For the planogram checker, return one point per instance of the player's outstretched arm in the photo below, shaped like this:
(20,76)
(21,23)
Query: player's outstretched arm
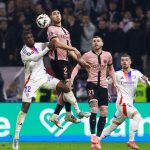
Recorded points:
(35,57)
(75,72)
(57,44)
(144,79)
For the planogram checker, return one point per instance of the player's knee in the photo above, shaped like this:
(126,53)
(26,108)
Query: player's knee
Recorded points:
(66,89)
(103,111)
(137,117)
(94,105)
(94,110)
(25,110)
(62,87)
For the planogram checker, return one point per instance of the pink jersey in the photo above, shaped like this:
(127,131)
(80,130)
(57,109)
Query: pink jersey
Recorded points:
(63,35)
(98,72)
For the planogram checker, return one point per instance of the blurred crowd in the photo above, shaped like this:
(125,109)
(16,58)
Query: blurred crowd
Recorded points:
(124,26)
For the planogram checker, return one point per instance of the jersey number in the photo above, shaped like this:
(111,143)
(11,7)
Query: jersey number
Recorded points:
(27,88)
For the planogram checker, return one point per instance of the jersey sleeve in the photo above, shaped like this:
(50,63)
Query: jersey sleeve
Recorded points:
(51,33)
(43,45)
(141,77)
(28,55)
(110,62)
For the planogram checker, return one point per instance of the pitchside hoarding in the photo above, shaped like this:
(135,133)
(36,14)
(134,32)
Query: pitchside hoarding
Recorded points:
(38,128)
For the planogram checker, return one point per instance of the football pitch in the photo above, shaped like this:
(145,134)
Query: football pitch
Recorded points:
(71,146)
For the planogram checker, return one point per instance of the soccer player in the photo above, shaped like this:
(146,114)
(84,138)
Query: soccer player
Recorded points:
(127,80)
(35,77)
(60,39)
(101,62)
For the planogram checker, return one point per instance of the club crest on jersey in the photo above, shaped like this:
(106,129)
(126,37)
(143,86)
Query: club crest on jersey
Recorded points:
(105,61)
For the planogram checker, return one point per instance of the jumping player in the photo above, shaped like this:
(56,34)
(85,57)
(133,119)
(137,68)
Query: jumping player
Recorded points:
(60,39)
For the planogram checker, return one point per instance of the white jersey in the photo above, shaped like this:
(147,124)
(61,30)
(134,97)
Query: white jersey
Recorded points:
(127,84)
(33,69)
(35,72)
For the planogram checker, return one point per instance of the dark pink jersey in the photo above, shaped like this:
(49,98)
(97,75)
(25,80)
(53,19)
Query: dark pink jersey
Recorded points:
(98,72)
(63,35)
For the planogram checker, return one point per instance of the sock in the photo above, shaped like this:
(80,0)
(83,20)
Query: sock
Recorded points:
(68,107)
(92,122)
(58,109)
(101,125)
(69,97)
(108,130)
(20,120)
(134,126)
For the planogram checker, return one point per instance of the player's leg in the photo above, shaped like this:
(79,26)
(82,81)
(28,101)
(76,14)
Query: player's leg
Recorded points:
(94,110)
(69,117)
(103,106)
(135,117)
(62,72)
(115,122)
(28,93)
(19,123)
(93,102)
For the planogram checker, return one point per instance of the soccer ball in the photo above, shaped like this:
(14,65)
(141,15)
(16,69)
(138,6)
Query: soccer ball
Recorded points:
(43,21)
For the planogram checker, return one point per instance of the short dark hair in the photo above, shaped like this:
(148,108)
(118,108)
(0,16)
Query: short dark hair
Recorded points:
(126,55)
(52,11)
(25,33)
(96,36)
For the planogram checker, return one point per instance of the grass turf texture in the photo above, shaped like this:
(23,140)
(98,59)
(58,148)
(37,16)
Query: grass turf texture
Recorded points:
(70,146)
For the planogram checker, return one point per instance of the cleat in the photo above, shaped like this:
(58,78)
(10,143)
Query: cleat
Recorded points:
(98,145)
(55,120)
(132,145)
(84,114)
(69,117)
(15,144)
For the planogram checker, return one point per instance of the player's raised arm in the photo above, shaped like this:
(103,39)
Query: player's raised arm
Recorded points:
(34,57)
(26,53)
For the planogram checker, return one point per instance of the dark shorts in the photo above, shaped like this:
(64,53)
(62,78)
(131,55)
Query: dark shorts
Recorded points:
(61,69)
(97,92)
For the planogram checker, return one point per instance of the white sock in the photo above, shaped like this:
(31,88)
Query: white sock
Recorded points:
(134,126)
(69,97)
(108,130)
(19,123)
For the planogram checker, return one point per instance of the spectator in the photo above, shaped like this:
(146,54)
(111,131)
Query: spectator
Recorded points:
(75,31)
(126,23)
(117,43)
(113,13)
(103,32)
(135,45)
(2,93)
(88,30)
(94,8)
(11,10)
(6,45)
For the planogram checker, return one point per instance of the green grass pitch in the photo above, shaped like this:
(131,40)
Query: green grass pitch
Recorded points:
(70,146)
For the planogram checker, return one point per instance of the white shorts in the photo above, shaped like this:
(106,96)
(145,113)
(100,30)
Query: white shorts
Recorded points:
(123,111)
(46,81)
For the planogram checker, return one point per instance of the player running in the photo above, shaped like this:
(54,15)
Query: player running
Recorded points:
(60,39)
(35,77)
(101,62)
(127,80)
